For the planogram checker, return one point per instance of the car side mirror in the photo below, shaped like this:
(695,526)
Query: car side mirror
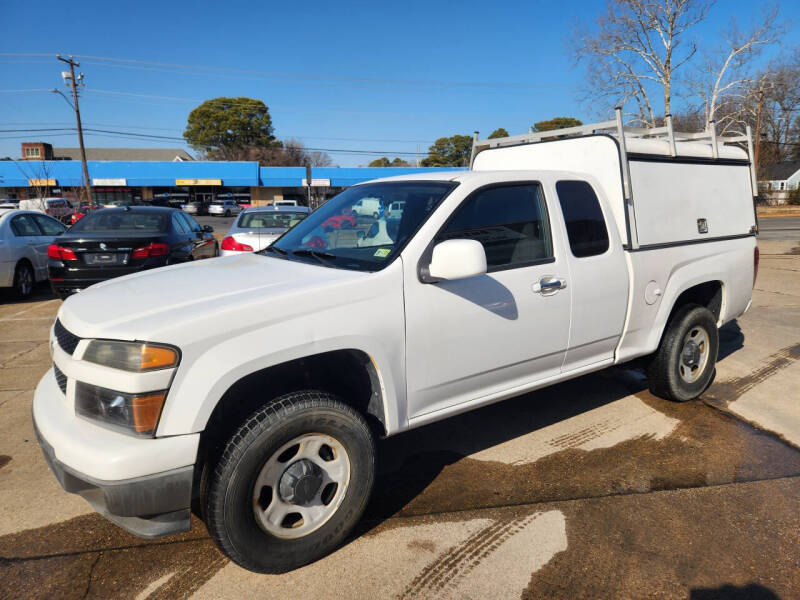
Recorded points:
(208,228)
(456,259)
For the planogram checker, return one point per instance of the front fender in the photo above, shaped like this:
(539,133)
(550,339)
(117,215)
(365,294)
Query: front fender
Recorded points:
(369,320)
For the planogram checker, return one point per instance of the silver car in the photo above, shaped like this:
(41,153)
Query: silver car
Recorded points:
(224,208)
(24,238)
(256,228)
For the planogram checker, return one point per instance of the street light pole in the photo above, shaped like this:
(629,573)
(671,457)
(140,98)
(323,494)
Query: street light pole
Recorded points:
(73,83)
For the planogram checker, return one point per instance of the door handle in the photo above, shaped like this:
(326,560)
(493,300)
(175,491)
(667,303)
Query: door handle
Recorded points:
(548,285)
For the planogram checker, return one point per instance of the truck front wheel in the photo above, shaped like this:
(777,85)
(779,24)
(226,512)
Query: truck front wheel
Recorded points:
(683,366)
(291,483)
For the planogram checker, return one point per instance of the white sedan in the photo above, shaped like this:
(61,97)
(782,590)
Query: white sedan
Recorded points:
(256,228)
(24,238)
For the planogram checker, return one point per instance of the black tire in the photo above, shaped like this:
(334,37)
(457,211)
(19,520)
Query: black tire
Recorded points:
(24,279)
(664,370)
(227,492)
(227,213)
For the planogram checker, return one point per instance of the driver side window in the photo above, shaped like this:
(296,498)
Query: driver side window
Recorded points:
(511,223)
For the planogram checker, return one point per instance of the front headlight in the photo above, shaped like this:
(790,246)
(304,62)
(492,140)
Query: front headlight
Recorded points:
(131,356)
(135,414)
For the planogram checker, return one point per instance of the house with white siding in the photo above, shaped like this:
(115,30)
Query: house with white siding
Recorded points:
(779,180)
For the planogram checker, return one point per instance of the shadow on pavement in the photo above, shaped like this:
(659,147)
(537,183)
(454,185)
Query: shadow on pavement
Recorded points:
(752,591)
(731,339)
(41,291)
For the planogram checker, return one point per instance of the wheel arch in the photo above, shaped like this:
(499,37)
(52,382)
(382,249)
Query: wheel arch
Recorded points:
(709,293)
(350,374)
(21,261)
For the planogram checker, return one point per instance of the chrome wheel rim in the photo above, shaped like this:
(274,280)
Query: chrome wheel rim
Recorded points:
(301,485)
(25,283)
(694,354)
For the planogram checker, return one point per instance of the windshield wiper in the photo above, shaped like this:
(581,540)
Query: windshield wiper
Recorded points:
(323,257)
(280,251)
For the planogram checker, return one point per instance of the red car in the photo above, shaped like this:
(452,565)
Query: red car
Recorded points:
(81,212)
(339,222)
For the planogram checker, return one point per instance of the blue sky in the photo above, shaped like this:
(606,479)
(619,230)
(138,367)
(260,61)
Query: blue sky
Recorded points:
(352,75)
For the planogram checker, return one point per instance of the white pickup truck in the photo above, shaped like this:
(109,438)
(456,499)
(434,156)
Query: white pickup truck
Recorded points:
(252,388)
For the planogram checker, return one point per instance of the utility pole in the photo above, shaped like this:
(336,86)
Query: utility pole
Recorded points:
(758,126)
(74,83)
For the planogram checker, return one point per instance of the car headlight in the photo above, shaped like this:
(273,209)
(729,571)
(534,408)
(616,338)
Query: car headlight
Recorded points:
(135,414)
(131,356)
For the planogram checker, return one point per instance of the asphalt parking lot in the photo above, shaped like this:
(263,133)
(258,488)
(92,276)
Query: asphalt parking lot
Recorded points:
(221,225)
(591,488)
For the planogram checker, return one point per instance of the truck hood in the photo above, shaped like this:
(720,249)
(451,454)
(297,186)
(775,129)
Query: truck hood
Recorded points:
(150,304)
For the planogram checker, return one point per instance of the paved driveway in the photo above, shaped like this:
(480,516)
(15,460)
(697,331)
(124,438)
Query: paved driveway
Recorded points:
(591,488)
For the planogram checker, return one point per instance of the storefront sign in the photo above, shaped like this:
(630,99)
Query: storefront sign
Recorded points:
(317,182)
(110,182)
(42,182)
(198,182)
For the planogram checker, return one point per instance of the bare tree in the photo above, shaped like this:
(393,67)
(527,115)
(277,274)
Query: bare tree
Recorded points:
(723,81)
(38,174)
(779,93)
(638,47)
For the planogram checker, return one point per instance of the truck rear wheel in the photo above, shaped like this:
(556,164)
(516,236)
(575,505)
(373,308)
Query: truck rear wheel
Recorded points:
(683,366)
(292,482)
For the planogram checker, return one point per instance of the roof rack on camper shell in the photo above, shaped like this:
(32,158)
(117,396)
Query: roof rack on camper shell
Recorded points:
(664,141)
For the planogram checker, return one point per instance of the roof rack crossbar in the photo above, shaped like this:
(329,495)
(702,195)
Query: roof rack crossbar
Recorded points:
(658,133)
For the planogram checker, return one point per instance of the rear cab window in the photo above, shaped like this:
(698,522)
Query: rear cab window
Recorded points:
(511,223)
(586,226)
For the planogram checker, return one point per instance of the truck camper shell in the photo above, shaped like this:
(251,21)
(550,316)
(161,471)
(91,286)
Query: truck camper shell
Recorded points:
(664,187)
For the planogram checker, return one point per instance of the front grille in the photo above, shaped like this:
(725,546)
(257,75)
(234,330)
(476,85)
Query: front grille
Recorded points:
(61,379)
(68,341)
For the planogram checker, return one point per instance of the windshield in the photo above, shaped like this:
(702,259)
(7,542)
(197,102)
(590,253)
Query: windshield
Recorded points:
(122,221)
(352,231)
(283,219)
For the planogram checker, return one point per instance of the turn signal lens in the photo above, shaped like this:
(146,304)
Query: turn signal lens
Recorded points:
(131,356)
(146,411)
(60,253)
(157,357)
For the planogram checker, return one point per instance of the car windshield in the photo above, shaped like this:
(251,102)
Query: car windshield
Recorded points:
(283,219)
(122,221)
(351,230)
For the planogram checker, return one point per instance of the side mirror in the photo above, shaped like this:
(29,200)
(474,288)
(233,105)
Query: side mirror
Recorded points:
(208,228)
(456,259)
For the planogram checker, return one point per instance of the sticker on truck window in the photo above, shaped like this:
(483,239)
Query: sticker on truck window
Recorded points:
(382,252)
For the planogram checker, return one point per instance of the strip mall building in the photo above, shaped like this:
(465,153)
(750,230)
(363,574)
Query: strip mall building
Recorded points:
(177,180)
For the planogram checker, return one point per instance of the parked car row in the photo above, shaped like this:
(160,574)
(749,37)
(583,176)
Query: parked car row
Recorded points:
(104,244)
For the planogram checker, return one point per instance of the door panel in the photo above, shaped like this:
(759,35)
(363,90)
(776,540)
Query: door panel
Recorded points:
(598,274)
(29,236)
(478,336)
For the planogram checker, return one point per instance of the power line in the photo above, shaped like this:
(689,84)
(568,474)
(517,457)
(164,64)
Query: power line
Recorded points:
(143,136)
(141,128)
(117,62)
